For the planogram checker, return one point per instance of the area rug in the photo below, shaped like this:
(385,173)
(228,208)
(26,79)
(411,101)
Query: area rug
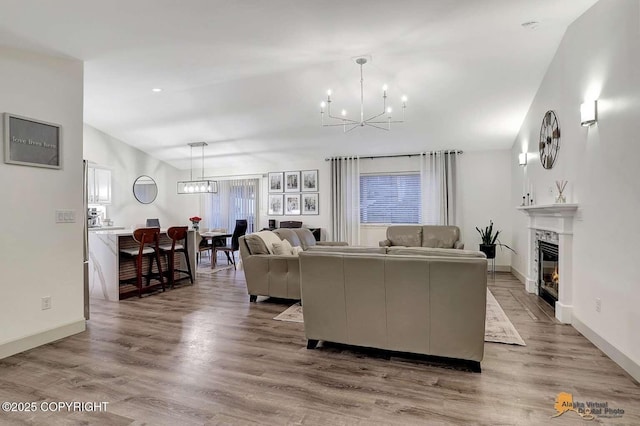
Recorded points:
(498,327)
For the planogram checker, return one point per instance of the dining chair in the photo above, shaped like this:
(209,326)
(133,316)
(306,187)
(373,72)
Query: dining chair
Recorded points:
(178,235)
(147,239)
(229,250)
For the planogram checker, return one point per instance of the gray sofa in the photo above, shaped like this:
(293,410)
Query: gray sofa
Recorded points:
(418,300)
(274,275)
(433,236)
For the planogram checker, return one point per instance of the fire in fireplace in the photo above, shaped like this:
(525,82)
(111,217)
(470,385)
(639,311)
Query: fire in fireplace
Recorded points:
(548,273)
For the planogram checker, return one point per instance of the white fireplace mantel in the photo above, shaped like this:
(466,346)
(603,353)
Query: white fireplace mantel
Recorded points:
(557,218)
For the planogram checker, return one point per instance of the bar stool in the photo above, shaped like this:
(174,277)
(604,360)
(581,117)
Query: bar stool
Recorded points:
(147,239)
(177,234)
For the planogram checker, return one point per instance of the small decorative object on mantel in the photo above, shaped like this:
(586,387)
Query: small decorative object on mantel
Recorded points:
(490,241)
(195,222)
(561,185)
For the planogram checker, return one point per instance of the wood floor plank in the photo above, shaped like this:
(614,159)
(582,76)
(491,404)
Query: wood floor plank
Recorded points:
(202,354)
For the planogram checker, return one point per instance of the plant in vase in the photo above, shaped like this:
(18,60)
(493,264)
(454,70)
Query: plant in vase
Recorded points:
(490,240)
(195,222)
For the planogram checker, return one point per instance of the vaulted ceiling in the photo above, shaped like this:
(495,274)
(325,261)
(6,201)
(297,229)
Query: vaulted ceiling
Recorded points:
(248,76)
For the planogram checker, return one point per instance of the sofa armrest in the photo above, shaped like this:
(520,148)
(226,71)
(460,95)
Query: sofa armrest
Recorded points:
(458,245)
(331,243)
(385,243)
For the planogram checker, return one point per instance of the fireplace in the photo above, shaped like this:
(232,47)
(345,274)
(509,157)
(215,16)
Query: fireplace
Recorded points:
(551,224)
(548,273)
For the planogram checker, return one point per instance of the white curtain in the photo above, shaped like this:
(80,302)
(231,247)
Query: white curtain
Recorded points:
(438,177)
(236,199)
(345,199)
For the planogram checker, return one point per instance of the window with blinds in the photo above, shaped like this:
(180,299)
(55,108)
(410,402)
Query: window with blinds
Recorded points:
(390,198)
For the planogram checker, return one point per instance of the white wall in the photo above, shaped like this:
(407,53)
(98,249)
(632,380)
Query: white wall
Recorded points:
(599,57)
(288,163)
(40,257)
(126,164)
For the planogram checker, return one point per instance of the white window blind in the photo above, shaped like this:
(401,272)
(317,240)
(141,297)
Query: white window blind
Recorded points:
(390,198)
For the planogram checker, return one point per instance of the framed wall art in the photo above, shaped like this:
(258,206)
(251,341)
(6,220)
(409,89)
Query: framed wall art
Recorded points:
(292,204)
(275,182)
(30,142)
(309,179)
(291,181)
(310,204)
(276,207)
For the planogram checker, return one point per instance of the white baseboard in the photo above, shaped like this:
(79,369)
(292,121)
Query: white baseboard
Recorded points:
(612,352)
(500,268)
(39,339)
(518,275)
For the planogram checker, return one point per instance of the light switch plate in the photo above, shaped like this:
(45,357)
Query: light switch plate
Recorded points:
(65,216)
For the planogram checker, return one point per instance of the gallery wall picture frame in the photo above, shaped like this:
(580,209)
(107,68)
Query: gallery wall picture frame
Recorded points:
(276,205)
(309,180)
(310,204)
(291,204)
(276,182)
(31,142)
(292,181)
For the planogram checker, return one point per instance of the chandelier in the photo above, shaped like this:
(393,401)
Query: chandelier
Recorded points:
(201,186)
(376,121)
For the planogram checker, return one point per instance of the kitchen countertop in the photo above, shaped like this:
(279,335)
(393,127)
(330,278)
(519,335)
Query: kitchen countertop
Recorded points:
(121,231)
(105,228)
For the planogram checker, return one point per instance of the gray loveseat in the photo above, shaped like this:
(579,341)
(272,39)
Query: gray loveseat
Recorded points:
(420,300)
(268,274)
(433,236)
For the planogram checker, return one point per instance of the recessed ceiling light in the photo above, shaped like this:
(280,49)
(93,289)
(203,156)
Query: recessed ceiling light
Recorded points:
(156,89)
(531,25)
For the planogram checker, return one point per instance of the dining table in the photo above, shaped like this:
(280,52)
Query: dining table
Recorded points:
(217,239)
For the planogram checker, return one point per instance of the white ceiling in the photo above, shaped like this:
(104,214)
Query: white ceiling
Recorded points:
(248,76)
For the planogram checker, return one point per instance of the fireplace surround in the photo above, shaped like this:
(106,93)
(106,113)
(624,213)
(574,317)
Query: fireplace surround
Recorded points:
(551,224)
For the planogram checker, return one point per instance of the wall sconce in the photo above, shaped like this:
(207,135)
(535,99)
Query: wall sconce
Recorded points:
(588,113)
(522,159)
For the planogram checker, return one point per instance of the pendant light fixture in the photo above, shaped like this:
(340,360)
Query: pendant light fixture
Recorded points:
(201,186)
(376,120)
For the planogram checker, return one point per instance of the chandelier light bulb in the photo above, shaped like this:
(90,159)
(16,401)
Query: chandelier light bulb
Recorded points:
(344,112)
(329,92)
(384,87)
(389,110)
(323,104)
(404,98)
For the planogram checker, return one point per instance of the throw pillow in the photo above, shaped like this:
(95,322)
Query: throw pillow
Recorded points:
(282,248)
(269,238)
(256,245)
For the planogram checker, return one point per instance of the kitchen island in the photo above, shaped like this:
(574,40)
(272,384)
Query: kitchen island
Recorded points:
(107,267)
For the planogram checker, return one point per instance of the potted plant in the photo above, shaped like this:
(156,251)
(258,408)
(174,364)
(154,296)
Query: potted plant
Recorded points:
(490,240)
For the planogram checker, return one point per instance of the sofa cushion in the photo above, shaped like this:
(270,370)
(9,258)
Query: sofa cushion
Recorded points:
(348,249)
(256,244)
(289,235)
(405,235)
(439,236)
(435,252)
(306,237)
(282,248)
(269,238)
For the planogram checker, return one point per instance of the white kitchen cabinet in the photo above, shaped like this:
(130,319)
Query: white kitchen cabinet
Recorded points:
(99,185)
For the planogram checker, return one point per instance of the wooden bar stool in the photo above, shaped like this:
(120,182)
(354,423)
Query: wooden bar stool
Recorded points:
(147,239)
(178,235)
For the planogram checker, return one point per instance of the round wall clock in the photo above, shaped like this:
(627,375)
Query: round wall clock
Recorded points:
(549,139)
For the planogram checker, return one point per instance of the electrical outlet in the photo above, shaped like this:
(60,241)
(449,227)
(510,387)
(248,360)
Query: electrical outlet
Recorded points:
(598,304)
(46,303)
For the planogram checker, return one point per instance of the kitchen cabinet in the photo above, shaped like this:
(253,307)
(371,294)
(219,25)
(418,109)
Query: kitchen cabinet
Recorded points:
(99,185)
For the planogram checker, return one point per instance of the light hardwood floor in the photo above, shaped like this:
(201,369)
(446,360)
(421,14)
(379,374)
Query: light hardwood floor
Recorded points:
(203,354)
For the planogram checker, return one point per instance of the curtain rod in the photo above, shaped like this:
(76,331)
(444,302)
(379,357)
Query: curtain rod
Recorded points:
(416,154)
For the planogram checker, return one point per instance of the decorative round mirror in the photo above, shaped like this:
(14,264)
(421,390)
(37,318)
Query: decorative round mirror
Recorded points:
(145,189)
